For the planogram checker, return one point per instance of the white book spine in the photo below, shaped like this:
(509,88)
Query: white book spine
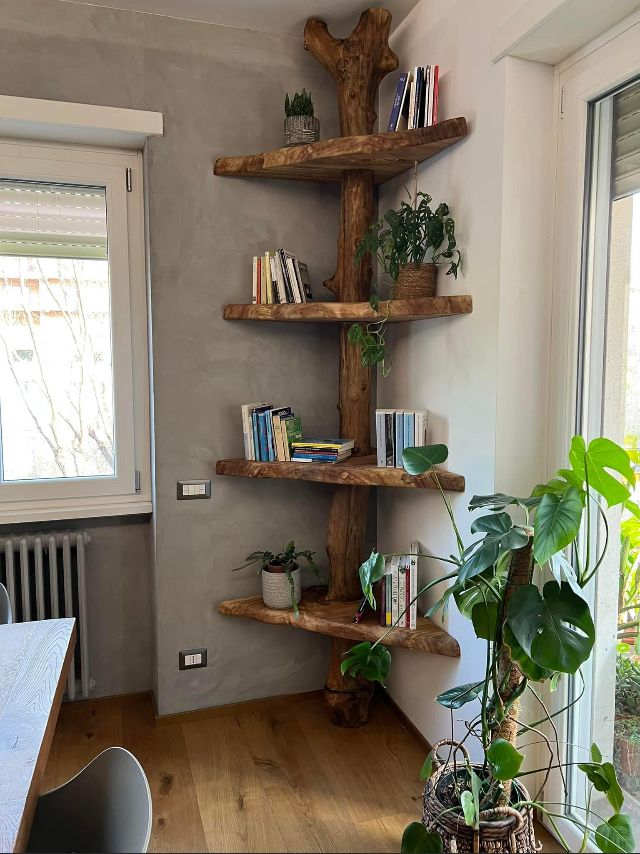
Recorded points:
(413,580)
(380,440)
(402,593)
(394,589)
(421,428)
(247,434)
(412,99)
(399,437)
(293,280)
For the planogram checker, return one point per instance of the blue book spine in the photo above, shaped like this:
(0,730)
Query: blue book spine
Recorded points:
(262,437)
(256,442)
(397,102)
(271,445)
(399,431)
(409,429)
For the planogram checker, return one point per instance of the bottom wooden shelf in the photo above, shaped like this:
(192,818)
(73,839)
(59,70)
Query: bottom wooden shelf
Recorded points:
(335,620)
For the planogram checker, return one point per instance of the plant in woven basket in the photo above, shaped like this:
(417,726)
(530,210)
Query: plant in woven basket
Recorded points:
(300,105)
(287,559)
(535,633)
(410,236)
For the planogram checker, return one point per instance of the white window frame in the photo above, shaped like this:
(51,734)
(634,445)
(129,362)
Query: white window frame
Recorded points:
(129,491)
(594,71)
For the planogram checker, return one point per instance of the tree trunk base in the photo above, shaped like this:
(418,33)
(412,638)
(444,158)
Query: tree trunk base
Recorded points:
(346,698)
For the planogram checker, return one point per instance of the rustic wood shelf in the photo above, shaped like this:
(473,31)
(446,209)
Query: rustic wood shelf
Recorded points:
(335,619)
(354,471)
(385,154)
(349,312)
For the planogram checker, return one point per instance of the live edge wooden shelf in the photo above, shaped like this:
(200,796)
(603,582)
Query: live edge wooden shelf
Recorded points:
(349,312)
(386,155)
(335,619)
(354,471)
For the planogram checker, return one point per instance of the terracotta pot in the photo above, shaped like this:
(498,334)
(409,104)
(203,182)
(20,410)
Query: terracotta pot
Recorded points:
(276,588)
(301,130)
(416,282)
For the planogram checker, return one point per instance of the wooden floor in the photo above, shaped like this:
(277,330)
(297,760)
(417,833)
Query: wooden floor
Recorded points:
(273,776)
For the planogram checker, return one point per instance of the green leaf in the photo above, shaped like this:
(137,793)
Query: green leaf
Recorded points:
(468,808)
(416,839)
(530,669)
(371,571)
(355,333)
(370,662)
(457,697)
(504,759)
(602,775)
(494,523)
(557,523)
(427,767)
(483,557)
(484,617)
(603,454)
(616,835)
(554,628)
(499,501)
(420,460)
(596,755)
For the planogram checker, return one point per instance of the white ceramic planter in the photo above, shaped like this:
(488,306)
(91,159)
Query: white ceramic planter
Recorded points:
(276,589)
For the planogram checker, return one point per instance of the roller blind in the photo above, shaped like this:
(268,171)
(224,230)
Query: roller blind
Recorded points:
(626,164)
(46,220)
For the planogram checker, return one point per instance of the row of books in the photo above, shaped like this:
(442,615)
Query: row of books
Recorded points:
(321,450)
(416,99)
(279,277)
(269,431)
(397,429)
(398,590)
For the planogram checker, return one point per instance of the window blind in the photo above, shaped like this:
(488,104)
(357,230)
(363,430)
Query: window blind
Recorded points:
(626,159)
(45,220)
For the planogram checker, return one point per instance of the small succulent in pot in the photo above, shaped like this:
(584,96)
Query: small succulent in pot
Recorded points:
(300,124)
(280,573)
(408,244)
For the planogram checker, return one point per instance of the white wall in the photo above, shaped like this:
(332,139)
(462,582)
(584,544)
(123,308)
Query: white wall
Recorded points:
(466,370)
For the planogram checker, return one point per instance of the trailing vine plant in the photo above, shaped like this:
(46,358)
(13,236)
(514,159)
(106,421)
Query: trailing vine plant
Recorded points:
(535,633)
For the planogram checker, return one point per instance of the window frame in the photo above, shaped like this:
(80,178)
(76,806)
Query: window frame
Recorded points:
(129,491)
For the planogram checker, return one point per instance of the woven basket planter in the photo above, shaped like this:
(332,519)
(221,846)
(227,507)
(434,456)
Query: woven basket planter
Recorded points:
(416,282)
(502,830)
(276,589)
(301,130)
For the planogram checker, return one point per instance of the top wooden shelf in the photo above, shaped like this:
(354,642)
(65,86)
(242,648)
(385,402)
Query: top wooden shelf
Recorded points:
(385,154)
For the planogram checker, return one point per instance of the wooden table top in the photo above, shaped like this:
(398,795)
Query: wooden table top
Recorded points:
(34,665)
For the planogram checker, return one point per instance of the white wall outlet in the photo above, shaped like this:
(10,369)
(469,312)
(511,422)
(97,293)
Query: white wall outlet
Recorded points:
(187,490)
(190,658)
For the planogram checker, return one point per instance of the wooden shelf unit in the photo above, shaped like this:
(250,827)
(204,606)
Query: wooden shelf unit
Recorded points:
(354,471)
(358,160)
(386,155)
(335,619)
(351,312)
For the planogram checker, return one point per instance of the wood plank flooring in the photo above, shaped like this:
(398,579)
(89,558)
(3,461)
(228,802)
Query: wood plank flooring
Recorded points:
(273,776)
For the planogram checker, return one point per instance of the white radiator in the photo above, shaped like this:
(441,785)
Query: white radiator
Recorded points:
(45,575)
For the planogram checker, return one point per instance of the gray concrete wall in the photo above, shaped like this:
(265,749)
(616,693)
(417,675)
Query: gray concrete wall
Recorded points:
(221,92)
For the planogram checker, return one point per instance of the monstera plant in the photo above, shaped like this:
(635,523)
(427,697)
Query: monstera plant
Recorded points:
(521,582)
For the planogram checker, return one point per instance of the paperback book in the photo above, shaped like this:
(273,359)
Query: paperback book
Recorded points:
(268,431)
(397,429)
(415,102)
(279,277)
(398,591)
(321,450)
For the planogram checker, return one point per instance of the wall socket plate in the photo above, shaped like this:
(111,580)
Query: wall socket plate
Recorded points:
(189,659)
(187,490)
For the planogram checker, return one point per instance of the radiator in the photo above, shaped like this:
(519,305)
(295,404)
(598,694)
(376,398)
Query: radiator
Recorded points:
(45,576)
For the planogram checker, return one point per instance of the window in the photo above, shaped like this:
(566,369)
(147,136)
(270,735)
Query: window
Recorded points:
(74,422)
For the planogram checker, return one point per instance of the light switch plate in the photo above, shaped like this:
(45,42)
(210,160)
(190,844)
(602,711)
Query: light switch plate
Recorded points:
(188,659)
(187,490)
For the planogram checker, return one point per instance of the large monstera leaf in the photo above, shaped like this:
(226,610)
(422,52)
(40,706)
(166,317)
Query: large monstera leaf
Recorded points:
(595,464)
(554,628)
(500,535)
(422,459)
(557,524)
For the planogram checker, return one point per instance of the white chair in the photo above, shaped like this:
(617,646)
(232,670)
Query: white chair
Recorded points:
(6,616)
(104,808)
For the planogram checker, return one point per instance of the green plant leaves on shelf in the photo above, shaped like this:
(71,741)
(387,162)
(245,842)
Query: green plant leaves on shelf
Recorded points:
(370,662)
(555,628)
(591,463)
(457,697)
(602,775)
(371,571)
(557,523)
(504,760)
(416,839)
(615,835)
(420,460)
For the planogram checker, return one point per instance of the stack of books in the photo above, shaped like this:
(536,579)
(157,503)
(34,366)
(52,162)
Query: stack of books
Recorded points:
(397,429)
(279,277)
(398,590)
(268,432)
(415,104)
(321,450)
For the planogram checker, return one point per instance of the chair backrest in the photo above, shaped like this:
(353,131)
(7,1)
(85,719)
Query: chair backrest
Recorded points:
(6,616)
(106,807)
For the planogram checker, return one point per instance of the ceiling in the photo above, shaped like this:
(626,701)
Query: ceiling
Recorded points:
(270,16)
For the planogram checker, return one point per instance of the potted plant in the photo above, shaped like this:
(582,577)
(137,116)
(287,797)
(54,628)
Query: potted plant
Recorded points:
(626,734)
(535,633)
(408,245)
(281,586)
(300,124)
